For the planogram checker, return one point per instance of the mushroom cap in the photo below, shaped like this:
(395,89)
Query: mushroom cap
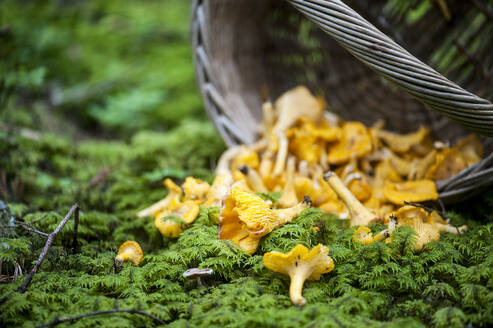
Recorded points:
(197,272)
(167,227)
(423,165)
(172,187)
(420,222)
(130,251)
(323,131)
(187,210)
(471,149)
(402,166)
(307,141)
(244,219)
(295,103)
(402,143)
(252,210)
(448,163)
(219,189)
(359,185)
(337,207)
(355,142)
(409,212)
(304,145)
(410,191)
(195,189)
(246,156)
(384,171)
(313,263)
(363,235)
(306,186)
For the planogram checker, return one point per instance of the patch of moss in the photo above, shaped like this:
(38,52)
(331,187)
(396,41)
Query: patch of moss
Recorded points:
(449,283)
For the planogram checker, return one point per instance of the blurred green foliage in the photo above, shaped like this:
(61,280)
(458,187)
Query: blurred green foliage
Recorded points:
(109,66)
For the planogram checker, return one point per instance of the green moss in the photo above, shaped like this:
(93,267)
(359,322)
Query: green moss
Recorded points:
(376,285)
(106,69)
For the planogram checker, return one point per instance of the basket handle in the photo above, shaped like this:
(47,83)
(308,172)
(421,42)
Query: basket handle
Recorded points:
(387,58)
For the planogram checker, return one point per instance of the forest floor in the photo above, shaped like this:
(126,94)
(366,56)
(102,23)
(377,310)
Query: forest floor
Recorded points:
(97,108)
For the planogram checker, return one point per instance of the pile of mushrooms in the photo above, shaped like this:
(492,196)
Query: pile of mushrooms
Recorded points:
(313,158)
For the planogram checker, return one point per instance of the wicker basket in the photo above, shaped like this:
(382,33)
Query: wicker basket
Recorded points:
(248,50)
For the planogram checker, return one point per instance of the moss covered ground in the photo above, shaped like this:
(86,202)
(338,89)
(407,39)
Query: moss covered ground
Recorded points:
(97,107)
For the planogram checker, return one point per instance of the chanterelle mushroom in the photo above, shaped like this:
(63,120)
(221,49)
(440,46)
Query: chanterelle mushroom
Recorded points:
(448,163)
(186,211)
(195,189)
(410,191)
(246,217)
(427,226)
(289,198)
(355,142)
(364,235)
(173,197)
(471,149)
(253,178)
(219,189)
(359,214)
(300,264)
(129,251)
(296,103)
(168,227)
(402,143)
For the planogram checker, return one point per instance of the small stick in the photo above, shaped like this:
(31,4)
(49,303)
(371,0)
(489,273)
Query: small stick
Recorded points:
(32,229)
(426,208)
(76,317)
(101,176)
(51,238)
(76,229)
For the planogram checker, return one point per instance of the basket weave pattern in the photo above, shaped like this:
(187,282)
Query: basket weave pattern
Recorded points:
(249,50)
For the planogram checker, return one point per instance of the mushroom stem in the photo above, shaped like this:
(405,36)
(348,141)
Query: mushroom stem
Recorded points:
(163,203)
(451,229)
(303,169)
(287,214)
(253,178)
(295,288)
(289,192)
(266,164)
(174,194)
(282,154)
(268,114)
(382,235)
(225,159)
(260,145)
(219,189)
(119,259)
(360,215)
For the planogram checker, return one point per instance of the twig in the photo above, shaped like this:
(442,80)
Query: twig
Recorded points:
(76,229)
(76,317)
(30,228)
(426,208)
(51,238)
(101,176)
